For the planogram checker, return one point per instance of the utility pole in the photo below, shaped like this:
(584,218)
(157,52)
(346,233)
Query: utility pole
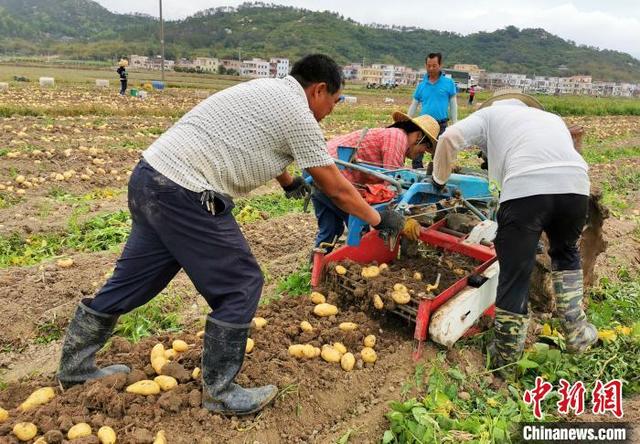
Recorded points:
(161,43)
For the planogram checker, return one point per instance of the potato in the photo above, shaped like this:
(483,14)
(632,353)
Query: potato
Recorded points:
(309,351)
(165,382)
(4,415)
(296,350)
(340,347)
(417,276)
(64,263)
(170,353)
(306,326)
(20,178)
(144,387)
(195,374)
(106,435)
(318,298)
(377,302)
(160,438)
(368,354)
(80,430)
(180,346)
(400,297)
(325,310)
(158,362)
(348,326)
(400,287)
(317,352)
(259,322)
(347,362)
(383,267)
(341,270)
(370,341)
(25,431)
(370,272)
(40,440)
(157,351)
(249,346)
(330,354)
(39,397)
(200,334)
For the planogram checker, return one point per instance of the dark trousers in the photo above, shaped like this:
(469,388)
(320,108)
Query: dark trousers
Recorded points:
(172,230)
(418,162)
(123,86)
(331,219)
(520,224)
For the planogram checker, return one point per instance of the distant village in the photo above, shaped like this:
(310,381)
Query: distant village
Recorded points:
(385,75)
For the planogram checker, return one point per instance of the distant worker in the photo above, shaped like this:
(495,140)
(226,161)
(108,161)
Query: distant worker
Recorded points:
(122,71)
(436,96)
(384,147)
(544,188)
(181,201)
(472,94)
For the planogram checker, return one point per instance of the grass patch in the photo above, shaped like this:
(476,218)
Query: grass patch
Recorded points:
(49,331)
(8,200)
(156,316)
(297,283)
(97,234)
(257,208)
(617,189)
(593,155)
(440,415)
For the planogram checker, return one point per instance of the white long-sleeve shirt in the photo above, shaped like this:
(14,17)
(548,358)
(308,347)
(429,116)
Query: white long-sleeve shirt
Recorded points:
(529,151)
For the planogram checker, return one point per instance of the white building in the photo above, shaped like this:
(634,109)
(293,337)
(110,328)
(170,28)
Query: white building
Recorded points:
(388,75)
(206,64)
(139,62)
(278,67)
(255,68)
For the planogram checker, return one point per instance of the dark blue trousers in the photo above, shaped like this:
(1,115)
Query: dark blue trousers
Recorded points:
(331,219)
(418,163)
(173,230)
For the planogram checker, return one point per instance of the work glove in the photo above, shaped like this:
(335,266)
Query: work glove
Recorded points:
(297,189)
(390,226)
(411,229)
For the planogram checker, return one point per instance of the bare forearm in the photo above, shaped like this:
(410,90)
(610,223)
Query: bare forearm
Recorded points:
(284,179)
(350,201)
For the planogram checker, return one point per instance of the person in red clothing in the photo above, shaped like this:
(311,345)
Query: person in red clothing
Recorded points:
(383,147)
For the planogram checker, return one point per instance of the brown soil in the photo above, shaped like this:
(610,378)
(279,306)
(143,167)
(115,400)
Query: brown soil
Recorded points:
(315,397)
(433,265)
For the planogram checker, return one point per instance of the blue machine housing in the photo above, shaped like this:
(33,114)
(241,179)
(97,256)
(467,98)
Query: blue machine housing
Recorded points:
(416,189)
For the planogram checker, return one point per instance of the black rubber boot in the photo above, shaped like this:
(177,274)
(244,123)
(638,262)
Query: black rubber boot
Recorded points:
(87,333)
(222,357)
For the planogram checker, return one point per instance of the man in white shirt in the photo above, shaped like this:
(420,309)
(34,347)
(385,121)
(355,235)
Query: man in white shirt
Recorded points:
(180,198)
(544,186)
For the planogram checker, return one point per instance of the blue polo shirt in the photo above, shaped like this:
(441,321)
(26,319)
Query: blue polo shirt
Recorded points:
(434,97)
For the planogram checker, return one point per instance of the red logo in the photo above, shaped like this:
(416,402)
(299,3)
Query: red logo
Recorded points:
(537,394)
(607,398)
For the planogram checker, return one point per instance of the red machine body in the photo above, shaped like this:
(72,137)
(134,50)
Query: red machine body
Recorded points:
(373,249)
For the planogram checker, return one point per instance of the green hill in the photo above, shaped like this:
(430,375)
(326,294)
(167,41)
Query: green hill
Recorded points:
(82,29)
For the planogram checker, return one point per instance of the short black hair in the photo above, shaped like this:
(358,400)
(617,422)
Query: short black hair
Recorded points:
(317,68)
(431,55)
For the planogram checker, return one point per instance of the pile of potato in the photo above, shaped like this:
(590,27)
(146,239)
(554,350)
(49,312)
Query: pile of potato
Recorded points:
(336,352)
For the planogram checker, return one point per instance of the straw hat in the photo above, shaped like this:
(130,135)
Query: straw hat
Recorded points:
(426,123)
(123,62)
(512,94)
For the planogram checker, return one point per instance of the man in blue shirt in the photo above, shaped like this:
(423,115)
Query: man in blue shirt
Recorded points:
(436,95)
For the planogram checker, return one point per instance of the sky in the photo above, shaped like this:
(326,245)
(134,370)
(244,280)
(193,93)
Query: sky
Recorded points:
(612,24)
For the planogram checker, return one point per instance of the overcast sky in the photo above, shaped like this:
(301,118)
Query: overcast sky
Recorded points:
(610,24)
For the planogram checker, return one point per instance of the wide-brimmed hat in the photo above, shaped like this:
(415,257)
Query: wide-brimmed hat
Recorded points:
(512,94)
(123,62)
(426,123)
